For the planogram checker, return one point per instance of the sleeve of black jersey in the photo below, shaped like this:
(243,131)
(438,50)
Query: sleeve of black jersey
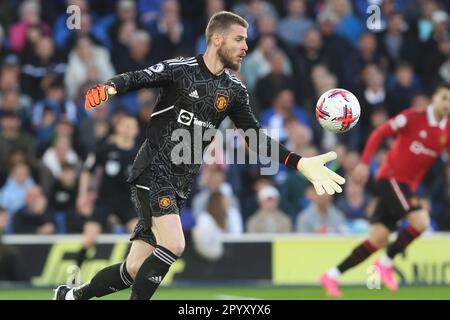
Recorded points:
(158,75)
(93,160)
(242,116)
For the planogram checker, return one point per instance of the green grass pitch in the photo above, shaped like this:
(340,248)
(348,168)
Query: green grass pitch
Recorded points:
(265,293)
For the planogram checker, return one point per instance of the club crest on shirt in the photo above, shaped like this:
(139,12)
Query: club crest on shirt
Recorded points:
(164,202)
(414,202)
(221,102)
(443,140)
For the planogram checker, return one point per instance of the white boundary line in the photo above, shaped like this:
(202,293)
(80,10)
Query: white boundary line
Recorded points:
(111,238)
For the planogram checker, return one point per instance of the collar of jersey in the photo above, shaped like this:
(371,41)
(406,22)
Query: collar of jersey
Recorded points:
(204,68)
(432,120)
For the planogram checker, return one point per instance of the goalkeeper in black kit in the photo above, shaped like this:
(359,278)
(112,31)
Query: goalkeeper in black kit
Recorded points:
(195,93)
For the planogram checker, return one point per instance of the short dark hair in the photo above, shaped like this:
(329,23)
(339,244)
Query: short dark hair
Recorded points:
(221,21)
(441,85)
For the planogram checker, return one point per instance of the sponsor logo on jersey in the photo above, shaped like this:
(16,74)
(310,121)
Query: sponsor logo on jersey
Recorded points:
(164,202)
(417,147)
(185,117)
(414,202)
(221,102)
(443,139)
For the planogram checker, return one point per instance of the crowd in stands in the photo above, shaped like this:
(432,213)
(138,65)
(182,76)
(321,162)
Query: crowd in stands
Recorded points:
(298,49)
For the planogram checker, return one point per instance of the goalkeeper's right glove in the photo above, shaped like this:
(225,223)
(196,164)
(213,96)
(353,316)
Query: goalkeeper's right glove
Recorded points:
(96,95)
(322,178)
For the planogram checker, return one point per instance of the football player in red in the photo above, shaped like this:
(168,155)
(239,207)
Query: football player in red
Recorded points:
(421,136)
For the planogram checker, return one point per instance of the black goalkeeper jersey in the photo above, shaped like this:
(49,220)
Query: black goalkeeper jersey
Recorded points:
(193,99)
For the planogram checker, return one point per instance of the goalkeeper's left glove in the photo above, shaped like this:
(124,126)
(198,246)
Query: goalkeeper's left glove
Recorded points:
(97,94)
(322,178)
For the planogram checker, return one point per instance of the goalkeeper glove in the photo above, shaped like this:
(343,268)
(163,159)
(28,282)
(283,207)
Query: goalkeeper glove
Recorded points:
(96,95)
(322,178)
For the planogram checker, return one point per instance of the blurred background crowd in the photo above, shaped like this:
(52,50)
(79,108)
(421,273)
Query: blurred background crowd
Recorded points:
(298,49)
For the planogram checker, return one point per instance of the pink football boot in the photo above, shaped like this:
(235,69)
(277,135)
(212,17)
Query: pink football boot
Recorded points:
(387,276)
(330,285)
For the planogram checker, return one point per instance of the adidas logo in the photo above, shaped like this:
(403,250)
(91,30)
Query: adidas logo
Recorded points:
(156,279)
(193,94)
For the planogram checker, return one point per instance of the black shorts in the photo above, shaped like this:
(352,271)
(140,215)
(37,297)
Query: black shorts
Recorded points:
(395,201)
(150,201)
(120,206)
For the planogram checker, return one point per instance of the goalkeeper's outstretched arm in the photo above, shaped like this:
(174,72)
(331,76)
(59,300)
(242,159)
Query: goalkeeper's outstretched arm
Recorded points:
(323,179)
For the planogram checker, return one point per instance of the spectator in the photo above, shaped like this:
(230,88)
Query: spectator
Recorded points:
(43,61)
(211,8)
(372,93)
(354,202)
(13,192)
(34,217)
(125,12)
(10,103)
(444,71)
(309,55)
(213,179)
(348,25)
(11,136)
(48,112)
(335,47)
(403,88)
(275,81)
(59,153)
(269,218)
(86,62)
(29,18)
(120,52)
(283,107)
(210,227)
(251,11)
(398,43)
(293,27)
(89,26)
(94,129)
(62,201)
(321,216)
(293,188)
(425,21)
(10,79)
(139,56)
(367,52)
(170,33)
(256,65)
(434,51)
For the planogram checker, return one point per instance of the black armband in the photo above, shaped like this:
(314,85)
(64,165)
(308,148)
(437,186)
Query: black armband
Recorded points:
(291,160)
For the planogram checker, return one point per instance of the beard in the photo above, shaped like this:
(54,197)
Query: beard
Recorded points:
(225,58)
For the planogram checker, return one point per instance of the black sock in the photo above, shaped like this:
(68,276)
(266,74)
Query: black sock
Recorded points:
(358,255)
(81,256)
(108,280)
(151,273)
(404,238)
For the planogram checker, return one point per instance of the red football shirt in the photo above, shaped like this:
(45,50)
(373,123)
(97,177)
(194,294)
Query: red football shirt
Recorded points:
(420,139)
